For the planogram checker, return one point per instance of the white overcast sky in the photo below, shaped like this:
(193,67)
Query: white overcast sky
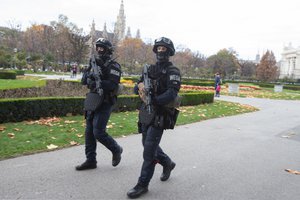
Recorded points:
(206,26)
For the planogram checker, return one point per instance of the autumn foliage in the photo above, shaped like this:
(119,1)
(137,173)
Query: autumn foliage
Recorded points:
(267,69)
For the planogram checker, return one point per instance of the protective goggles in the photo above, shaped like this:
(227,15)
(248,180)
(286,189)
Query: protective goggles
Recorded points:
(163,39)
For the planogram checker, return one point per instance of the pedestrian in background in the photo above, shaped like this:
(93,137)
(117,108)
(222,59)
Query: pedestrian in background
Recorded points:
(218,82)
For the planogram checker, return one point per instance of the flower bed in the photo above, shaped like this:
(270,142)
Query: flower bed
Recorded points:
(197,88)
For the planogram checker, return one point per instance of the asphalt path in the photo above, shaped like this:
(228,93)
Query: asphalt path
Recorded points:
(57,77)
(240,157)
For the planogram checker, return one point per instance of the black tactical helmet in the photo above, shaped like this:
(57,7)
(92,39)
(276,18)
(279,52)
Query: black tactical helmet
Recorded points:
(166,42)
(102,42)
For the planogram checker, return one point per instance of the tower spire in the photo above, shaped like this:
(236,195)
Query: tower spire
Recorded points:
(92,39)
(105,33)
(120,25)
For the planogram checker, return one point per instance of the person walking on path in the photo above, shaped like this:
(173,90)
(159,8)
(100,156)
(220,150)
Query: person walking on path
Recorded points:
(109,72)
(157,114)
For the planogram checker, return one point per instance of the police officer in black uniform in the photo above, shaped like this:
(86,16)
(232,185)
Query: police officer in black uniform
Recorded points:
(167,80)
(96,121)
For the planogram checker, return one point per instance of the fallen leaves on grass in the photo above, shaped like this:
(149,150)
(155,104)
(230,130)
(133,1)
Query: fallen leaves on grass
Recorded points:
(109,126)
(73,143)
(11,135)
(292,171)
(45,121)
(2,128)
(51,146)
(73,130)
(79,135)
(70,122)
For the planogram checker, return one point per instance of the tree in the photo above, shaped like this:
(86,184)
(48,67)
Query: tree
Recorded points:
(132,54)
(248,68)
(267,70)
(63,46)
(183,59)
(224,62)
(39,39)
(79,44)
(5,57)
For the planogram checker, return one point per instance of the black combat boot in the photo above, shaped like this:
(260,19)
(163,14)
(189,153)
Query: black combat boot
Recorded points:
(117,157)
(167,171)
(86,165)
(137,191)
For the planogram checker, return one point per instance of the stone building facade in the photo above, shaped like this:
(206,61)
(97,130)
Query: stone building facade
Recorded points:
(290,63)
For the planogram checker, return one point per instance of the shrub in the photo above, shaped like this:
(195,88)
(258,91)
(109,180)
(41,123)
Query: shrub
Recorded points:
(8,74)
(197,82)
(20,72)
(292,87)
(14,110)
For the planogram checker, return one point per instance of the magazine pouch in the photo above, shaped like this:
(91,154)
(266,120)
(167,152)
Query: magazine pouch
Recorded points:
(92,101)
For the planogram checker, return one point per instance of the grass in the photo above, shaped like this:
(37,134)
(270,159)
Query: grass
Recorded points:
(21,82)
(36,136)
(47,72)
(267,93)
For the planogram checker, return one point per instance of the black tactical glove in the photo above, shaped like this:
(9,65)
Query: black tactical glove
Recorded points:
(87,69)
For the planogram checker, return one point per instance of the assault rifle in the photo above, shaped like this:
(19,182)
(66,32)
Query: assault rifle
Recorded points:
(96,74)
(148,89)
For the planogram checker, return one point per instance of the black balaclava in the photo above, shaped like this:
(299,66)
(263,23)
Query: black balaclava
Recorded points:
(163,56)
(103,56)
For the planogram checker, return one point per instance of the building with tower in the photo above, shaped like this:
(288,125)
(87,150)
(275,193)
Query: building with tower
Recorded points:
(118,33)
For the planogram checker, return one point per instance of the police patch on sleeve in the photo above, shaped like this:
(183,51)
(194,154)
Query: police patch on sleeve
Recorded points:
(115,72)
(174,78)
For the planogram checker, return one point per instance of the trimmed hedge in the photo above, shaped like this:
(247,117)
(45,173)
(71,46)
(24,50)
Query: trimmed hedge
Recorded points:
(8,75)
(20,72)
(292,87)
(15,110)
(185,81)
(198,82)
(288,87)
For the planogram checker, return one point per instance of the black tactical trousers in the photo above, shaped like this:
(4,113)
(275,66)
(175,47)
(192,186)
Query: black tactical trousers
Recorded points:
(152,154)
(96,130)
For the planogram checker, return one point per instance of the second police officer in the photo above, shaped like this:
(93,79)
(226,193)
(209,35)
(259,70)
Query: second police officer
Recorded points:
(166,80)
(96,120)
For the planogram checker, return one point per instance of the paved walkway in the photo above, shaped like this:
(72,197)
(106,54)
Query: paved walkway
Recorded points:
(240,157)
(57,77)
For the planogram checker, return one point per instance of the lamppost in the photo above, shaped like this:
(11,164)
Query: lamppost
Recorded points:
(15,58)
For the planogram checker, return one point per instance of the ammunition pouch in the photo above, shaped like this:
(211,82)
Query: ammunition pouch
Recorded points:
(145,117)
(93,101)
(170,118)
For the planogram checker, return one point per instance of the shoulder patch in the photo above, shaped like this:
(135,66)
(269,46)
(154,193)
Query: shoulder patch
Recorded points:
(115,72)
(174,78)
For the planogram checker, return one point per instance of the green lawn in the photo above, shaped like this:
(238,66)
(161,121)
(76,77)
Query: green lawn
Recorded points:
(21,82)
(267,93)
(30,137)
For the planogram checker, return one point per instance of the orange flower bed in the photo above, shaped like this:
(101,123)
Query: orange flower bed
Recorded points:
(193,87)
(249,87)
